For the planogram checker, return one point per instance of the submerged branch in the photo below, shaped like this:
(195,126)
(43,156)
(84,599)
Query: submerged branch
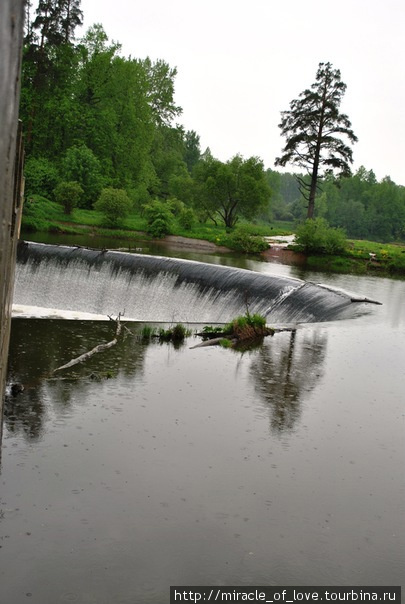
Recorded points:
(96,349)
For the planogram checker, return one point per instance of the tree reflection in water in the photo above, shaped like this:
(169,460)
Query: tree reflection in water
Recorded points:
(38,346)
(285,367)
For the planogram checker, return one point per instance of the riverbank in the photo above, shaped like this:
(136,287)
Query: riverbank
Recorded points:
(43,218)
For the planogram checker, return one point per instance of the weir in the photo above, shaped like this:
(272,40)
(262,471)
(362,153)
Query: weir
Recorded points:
(154,289)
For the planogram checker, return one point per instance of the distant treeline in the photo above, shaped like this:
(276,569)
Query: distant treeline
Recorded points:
(365,208)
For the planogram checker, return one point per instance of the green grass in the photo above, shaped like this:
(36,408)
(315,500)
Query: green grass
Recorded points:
(175,334)
(364,257)
(47,216)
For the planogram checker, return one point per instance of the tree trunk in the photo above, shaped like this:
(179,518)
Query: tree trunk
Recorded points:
(312,191)
(317,155)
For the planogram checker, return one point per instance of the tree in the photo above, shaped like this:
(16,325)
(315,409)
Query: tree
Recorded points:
(71,17)
(315,130)
(161,90)
(115,119)
(232,189)
(56,21)
(49,69)
(114,204)
(81,165)
(68,195)
(192,150)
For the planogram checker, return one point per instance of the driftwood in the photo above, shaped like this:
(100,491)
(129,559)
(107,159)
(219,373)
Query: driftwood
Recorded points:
(96,349)
(213,342)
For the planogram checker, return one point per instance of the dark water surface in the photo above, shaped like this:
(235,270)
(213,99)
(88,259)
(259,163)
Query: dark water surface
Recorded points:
(281,466)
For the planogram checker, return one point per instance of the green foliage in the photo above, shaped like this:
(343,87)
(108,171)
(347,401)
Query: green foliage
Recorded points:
(81,165)
(254,322)
(225,343)
(147,333)
(40,214)
(176,334)
(68,195)
(41,177)
(192,150)
(114,204)
(159,218)
(244,329)
(187,218)
(210,329)
(316,236)
(243,241)
(160,93)
(176,206)
(230,190)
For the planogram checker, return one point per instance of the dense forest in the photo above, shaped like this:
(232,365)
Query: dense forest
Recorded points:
(94,117)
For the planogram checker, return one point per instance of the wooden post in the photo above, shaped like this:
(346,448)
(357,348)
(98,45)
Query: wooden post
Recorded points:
(11,162)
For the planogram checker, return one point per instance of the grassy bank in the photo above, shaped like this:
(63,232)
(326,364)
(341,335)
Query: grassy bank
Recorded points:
(360,257)
(47,216)
(364,257)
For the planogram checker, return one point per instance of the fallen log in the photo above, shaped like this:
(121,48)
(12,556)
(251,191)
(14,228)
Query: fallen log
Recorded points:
(213,342)
(100,348)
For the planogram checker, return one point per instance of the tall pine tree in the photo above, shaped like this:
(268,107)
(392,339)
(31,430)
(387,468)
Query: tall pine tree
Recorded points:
(315,131)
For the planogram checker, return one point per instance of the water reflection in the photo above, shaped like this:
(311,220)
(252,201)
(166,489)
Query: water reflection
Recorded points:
(38,346)
(283,368)
(286,367)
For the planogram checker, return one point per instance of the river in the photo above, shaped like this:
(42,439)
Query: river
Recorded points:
(152,466)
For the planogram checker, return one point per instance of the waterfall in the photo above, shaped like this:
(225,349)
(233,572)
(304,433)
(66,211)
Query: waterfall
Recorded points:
(153,288)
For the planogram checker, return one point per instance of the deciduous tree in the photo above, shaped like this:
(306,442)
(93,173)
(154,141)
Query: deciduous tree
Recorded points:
(232,189)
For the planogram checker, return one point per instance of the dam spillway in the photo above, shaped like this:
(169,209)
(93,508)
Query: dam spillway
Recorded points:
(154,288)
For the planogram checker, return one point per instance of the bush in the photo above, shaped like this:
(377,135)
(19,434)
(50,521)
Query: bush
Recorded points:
(68,195)
(246,326)
(176,206)
(114,204)
(317,237)
(159,219)
(243,241)
(187,218)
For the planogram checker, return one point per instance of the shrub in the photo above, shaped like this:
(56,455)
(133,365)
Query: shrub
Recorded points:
(176,206)
(159,219)
(243,241)
(114,204)
(316,236)
(68,195)
(246,326)
(187,218)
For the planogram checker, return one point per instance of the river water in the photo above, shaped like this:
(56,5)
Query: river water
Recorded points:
(152,466)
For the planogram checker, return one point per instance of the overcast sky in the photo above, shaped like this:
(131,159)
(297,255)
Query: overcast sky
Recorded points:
(241,62)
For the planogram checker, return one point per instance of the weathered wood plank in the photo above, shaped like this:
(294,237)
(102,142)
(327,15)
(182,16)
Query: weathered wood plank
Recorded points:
(11,161)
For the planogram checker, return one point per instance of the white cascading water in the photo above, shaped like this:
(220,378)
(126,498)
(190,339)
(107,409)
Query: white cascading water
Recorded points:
(62,281)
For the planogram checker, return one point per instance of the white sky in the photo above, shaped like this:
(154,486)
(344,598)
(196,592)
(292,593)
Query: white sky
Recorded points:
(241,62)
